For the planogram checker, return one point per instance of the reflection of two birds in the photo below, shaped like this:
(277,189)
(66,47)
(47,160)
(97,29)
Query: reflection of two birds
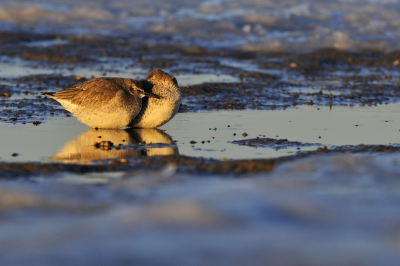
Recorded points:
(99,144)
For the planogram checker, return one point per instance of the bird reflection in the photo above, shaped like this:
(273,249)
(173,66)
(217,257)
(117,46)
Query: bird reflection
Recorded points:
(100,144)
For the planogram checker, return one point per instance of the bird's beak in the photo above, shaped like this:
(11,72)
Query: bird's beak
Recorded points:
(150,95)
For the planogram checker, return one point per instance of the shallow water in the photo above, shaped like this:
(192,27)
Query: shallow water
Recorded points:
(336,126)
(68,140)
(15,67)
(336,208)
(323,208)
(267,25)
(249,26)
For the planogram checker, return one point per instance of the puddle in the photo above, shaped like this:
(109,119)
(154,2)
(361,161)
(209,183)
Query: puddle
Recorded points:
(67,140)
(192,79)
(14,67)
(103,144)
(216,134)
(341,125)
(18,96)
(46,43)
(37,143)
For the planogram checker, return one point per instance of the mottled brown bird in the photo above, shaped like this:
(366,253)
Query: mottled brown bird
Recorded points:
(121,102)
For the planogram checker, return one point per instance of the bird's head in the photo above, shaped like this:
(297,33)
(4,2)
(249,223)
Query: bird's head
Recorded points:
(159,77)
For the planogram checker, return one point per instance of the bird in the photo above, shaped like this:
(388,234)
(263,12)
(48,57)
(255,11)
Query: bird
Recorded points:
(155,111)
(120,102)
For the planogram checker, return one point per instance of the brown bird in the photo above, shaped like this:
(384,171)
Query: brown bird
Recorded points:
(121,102)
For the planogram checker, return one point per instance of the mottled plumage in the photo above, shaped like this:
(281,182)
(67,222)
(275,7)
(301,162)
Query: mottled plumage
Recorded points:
(117,102)
(103,102)
(158,111)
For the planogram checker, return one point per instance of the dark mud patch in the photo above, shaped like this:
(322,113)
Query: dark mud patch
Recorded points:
(267,81)
(22,101)
(353,149)
(273,143)
(185,164)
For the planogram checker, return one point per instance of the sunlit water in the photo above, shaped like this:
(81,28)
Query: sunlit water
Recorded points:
(254,25)
(68,140)
(15,67)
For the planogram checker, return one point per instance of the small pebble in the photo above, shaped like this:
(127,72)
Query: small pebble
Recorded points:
(193,142)
(244,134)
(14,154)
(78,78)
(35,123)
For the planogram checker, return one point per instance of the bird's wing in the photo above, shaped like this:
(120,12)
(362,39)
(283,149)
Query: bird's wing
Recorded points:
(91,93)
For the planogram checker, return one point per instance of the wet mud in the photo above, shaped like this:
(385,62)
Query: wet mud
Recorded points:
(282,153)
(273,143)
(184,164)
(266,81)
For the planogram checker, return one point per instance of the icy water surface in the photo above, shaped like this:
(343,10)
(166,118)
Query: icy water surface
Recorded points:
(206,134)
